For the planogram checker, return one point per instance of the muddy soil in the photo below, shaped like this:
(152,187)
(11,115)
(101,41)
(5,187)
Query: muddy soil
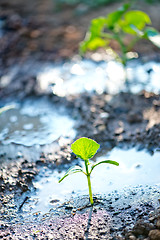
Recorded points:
(36,31)
(39,30)
(137,124)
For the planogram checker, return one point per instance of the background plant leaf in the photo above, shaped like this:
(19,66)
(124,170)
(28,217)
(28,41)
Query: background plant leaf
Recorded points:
(153,35)
(92,44)
(93,39)
(70,171)
(97,26)
(85,148)
(112,18)
(138,19)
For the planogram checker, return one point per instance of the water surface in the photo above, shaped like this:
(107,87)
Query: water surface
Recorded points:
(35,122)
(81,75)
(136,169)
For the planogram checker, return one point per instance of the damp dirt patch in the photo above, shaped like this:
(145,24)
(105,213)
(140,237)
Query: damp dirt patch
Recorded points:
(39,30)
(125,117)
(109,218)
(122,120)
(136,168)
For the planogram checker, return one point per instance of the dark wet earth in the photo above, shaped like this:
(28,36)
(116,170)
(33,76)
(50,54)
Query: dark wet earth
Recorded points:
(57,101)
(125,208)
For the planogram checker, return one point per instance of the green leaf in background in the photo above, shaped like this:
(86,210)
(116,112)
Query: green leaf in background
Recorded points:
(85,148)
(93,39)
(92,44)
(105,161)
(112,18)
(153,35)
(70,171)
(117,26)
(138,19)
(97,26)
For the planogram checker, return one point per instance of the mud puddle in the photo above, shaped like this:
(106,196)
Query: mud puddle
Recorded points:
(1,27)
(87,75)
(84,75)
(36,123)
(31,124)
(137,178)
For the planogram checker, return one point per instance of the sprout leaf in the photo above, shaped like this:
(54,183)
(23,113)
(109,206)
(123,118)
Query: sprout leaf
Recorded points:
(105,161)
(85,148)
(153,35)
(70,171)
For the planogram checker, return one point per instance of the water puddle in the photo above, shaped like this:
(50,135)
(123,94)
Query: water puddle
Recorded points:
(1,27)
(35,122)
(82,75)
(87,75)
(137,168)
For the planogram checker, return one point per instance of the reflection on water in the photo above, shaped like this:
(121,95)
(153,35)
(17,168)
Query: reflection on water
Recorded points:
(1,27)
(35,122)
(137,168)
(87,75)
(80,75)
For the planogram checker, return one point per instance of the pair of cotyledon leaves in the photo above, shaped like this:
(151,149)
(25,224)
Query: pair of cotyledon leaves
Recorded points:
(85,148)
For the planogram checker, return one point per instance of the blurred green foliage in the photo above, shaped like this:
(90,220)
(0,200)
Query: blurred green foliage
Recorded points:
(116,26)
(95,3)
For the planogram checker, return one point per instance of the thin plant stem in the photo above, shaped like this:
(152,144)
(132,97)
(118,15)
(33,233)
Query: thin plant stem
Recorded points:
(89,182)
(124,56)
(132,43)
(118,36)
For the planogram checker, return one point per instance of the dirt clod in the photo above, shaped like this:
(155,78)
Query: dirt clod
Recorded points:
(154,234)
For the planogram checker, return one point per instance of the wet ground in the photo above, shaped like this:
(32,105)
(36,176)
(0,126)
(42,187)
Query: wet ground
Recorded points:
(30,172)
(84,75)
(54,104)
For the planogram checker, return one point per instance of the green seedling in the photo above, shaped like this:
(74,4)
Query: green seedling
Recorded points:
(116,26)
(86,148)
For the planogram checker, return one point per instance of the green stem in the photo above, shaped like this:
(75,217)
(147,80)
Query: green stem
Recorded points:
(124,56)
(123,49)
(132,43)
(89,182)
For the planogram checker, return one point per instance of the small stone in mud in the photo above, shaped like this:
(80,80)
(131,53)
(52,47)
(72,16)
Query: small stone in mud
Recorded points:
(23,186)
(119,130)
(158,223)
(151,219)
(104,115)
(154,234)
(132,237)
(142,228)
(19,155)
(54,201)
(138,166)
(68,207)
(14,22)
(134,117)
